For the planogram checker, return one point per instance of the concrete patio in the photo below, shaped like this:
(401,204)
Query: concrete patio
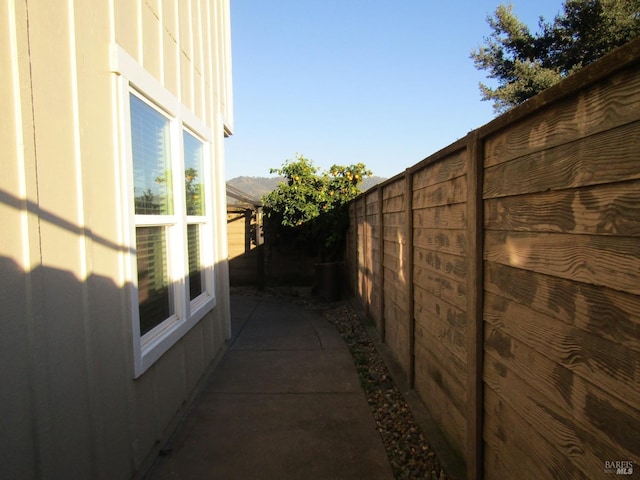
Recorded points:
(284,403)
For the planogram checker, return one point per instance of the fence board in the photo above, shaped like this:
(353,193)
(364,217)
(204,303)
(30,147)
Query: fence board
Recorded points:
(598,260)
(599,108)
(589,406)
(445,216)
(613,315)
(446,369)
(449,266)
(509,450)
(452,166)
(449,290)
(593,358)
(446,193)
(393,262)
(371,200)
(393,220)
(393,204)
(397,330)
(453,242)
(600,210)
(434,329)
(607,157)
(559,428)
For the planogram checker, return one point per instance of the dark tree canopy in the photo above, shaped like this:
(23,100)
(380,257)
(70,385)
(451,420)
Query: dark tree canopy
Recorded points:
(525,63)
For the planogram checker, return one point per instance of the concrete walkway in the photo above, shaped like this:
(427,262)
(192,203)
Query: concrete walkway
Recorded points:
(284,403)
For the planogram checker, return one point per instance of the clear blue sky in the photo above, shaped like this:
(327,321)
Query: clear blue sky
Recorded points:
(348,81)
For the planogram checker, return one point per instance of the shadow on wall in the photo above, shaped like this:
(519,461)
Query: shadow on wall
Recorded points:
(51,218)
(65,349)
(71,408)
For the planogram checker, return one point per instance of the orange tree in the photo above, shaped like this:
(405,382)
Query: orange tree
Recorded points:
(310,206)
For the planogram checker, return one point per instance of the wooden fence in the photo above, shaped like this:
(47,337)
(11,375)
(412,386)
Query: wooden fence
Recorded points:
(244,242)
(503,272)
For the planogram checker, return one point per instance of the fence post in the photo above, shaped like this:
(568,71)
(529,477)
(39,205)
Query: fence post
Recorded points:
(475,338)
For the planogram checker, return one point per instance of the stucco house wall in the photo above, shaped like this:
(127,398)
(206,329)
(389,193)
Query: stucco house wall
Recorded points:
(84,394)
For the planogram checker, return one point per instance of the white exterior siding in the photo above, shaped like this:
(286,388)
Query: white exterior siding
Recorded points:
(71,407)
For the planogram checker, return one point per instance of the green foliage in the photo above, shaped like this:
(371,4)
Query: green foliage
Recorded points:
(311,206)
(524,64)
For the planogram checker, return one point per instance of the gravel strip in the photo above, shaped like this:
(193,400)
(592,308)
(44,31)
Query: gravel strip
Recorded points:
(409,453)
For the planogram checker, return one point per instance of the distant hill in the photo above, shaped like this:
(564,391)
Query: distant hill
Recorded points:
(256,187)
(371,182)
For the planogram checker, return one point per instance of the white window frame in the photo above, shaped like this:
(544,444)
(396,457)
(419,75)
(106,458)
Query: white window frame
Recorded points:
(132,79)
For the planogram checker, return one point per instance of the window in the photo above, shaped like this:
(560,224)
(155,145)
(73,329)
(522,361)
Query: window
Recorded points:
(195,208)
(167,188)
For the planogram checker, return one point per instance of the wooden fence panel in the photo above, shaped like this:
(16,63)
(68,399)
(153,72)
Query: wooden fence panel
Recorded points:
(562,218)
(440,284)
(593,110)
(362,245)
(373,258)
(351,257)
(519,308)
(395,288)
(244,259)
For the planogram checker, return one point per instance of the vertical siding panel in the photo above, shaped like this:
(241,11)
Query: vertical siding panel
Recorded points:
(170,48)
(145,408)
(208,58)
(186,53)
(127,26)
(170,390)
(18,453)
(222,312)
(68,429)
(198,67)
(194,356)
(210,344)
(227,85)
(108,343)
(152,39)
(218,62)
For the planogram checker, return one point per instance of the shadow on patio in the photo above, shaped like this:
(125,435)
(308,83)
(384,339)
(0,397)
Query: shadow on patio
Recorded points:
(285,402)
